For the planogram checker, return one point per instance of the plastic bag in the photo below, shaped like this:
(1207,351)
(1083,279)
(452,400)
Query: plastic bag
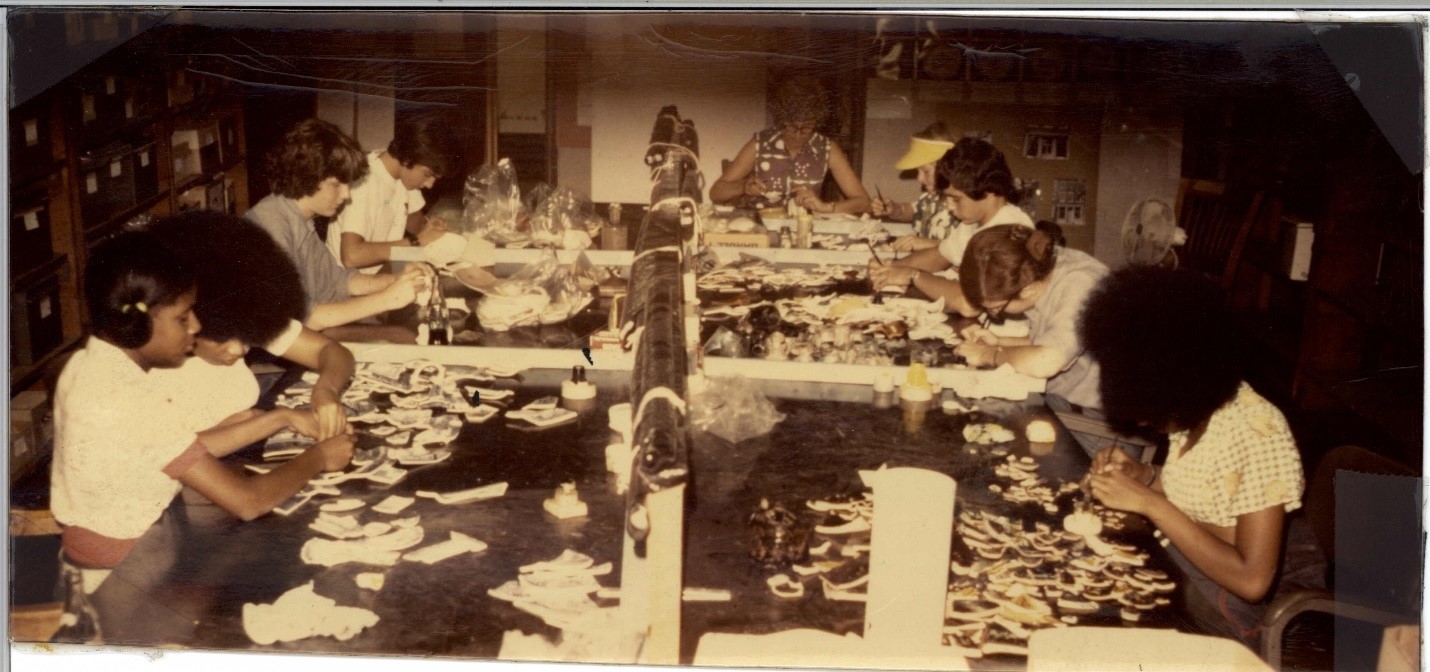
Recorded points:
(733,409)
(562,218)
(542,292)
(492,206)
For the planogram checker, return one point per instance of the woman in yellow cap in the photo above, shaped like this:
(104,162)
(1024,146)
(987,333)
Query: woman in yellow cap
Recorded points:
(930,218)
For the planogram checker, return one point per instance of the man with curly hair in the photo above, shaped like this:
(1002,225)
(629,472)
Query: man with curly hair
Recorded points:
(1169,362)
(789,161)
(310,172)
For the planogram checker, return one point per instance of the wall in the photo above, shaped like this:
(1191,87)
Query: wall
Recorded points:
(633,77)
(1141,158)
(521,74)
(367,118)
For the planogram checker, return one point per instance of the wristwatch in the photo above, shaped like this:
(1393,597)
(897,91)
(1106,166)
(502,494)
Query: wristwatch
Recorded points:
(411,238)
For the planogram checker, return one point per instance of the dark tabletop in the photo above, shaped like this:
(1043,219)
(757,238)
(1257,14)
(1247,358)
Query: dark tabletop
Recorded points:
(188,578)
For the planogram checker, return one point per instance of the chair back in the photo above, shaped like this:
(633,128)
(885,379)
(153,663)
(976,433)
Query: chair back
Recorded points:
(1365,511)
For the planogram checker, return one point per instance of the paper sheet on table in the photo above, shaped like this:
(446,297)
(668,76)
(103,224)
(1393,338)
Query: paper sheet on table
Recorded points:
(301,613)
(1136,650)
(1002,382)
(816,649)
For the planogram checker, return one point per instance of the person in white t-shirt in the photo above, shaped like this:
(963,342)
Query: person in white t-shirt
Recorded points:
(978,187)
(250,295)
(384,220)
(121,454)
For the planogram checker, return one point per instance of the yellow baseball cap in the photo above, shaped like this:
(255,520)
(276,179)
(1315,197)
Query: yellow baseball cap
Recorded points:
(922,152)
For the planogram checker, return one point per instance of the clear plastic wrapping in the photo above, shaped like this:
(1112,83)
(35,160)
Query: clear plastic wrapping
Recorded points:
(733,409)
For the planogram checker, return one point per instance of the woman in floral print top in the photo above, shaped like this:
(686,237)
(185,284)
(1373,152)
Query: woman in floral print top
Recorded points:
(789,162)
(1168,362)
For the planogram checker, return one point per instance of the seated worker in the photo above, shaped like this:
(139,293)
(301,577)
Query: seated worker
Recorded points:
(121,451)
(1169,361)
(385,212)
(975,179)
(928,214)
(1014,270)
(310,171)
(789,161)
(249,296)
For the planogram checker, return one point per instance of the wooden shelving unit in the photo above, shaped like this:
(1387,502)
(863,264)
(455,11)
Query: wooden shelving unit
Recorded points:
(90,154)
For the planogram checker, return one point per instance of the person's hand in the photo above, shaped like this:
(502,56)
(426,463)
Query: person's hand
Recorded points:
(976,353)
(406,286)
(806,198)
(301,421)
(883,207)
(336,451)
(912,243)
(1117,490)
(975,333)
(754,186)
(331,415)
(435,227)
(888,275)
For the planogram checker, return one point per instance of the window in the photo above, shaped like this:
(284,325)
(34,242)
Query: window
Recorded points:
(1045,144)
(1069,198)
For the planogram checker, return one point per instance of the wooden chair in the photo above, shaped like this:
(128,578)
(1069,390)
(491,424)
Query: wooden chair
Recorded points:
(1218,219)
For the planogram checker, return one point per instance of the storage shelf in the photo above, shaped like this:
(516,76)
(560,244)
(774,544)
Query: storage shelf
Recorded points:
(125,214)
(24,179)
(33,276)
(22,377)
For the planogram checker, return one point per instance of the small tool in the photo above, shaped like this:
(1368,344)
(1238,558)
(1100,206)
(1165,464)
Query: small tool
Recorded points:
(873,251)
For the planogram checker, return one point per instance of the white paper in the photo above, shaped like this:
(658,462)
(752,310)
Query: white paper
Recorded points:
(143,159)
(45,307)
(116,169)
(32,132)
(32,220)
(91,183)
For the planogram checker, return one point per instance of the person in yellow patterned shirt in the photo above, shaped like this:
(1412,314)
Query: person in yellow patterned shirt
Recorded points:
(1169,363)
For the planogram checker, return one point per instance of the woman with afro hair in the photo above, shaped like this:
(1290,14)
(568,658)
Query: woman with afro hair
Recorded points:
(1168,359)
(249,295)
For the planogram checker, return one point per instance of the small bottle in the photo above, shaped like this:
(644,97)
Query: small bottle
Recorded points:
(883,391)
(786,240)
(806,230)
(439,327)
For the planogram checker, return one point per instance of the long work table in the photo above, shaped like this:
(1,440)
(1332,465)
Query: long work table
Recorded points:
(186,583)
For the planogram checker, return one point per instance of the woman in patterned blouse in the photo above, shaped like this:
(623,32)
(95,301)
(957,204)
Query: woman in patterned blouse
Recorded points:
(929,215)
(1169,362)
(789,162)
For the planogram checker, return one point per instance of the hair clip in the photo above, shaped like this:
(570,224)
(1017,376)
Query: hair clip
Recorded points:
(137,305)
